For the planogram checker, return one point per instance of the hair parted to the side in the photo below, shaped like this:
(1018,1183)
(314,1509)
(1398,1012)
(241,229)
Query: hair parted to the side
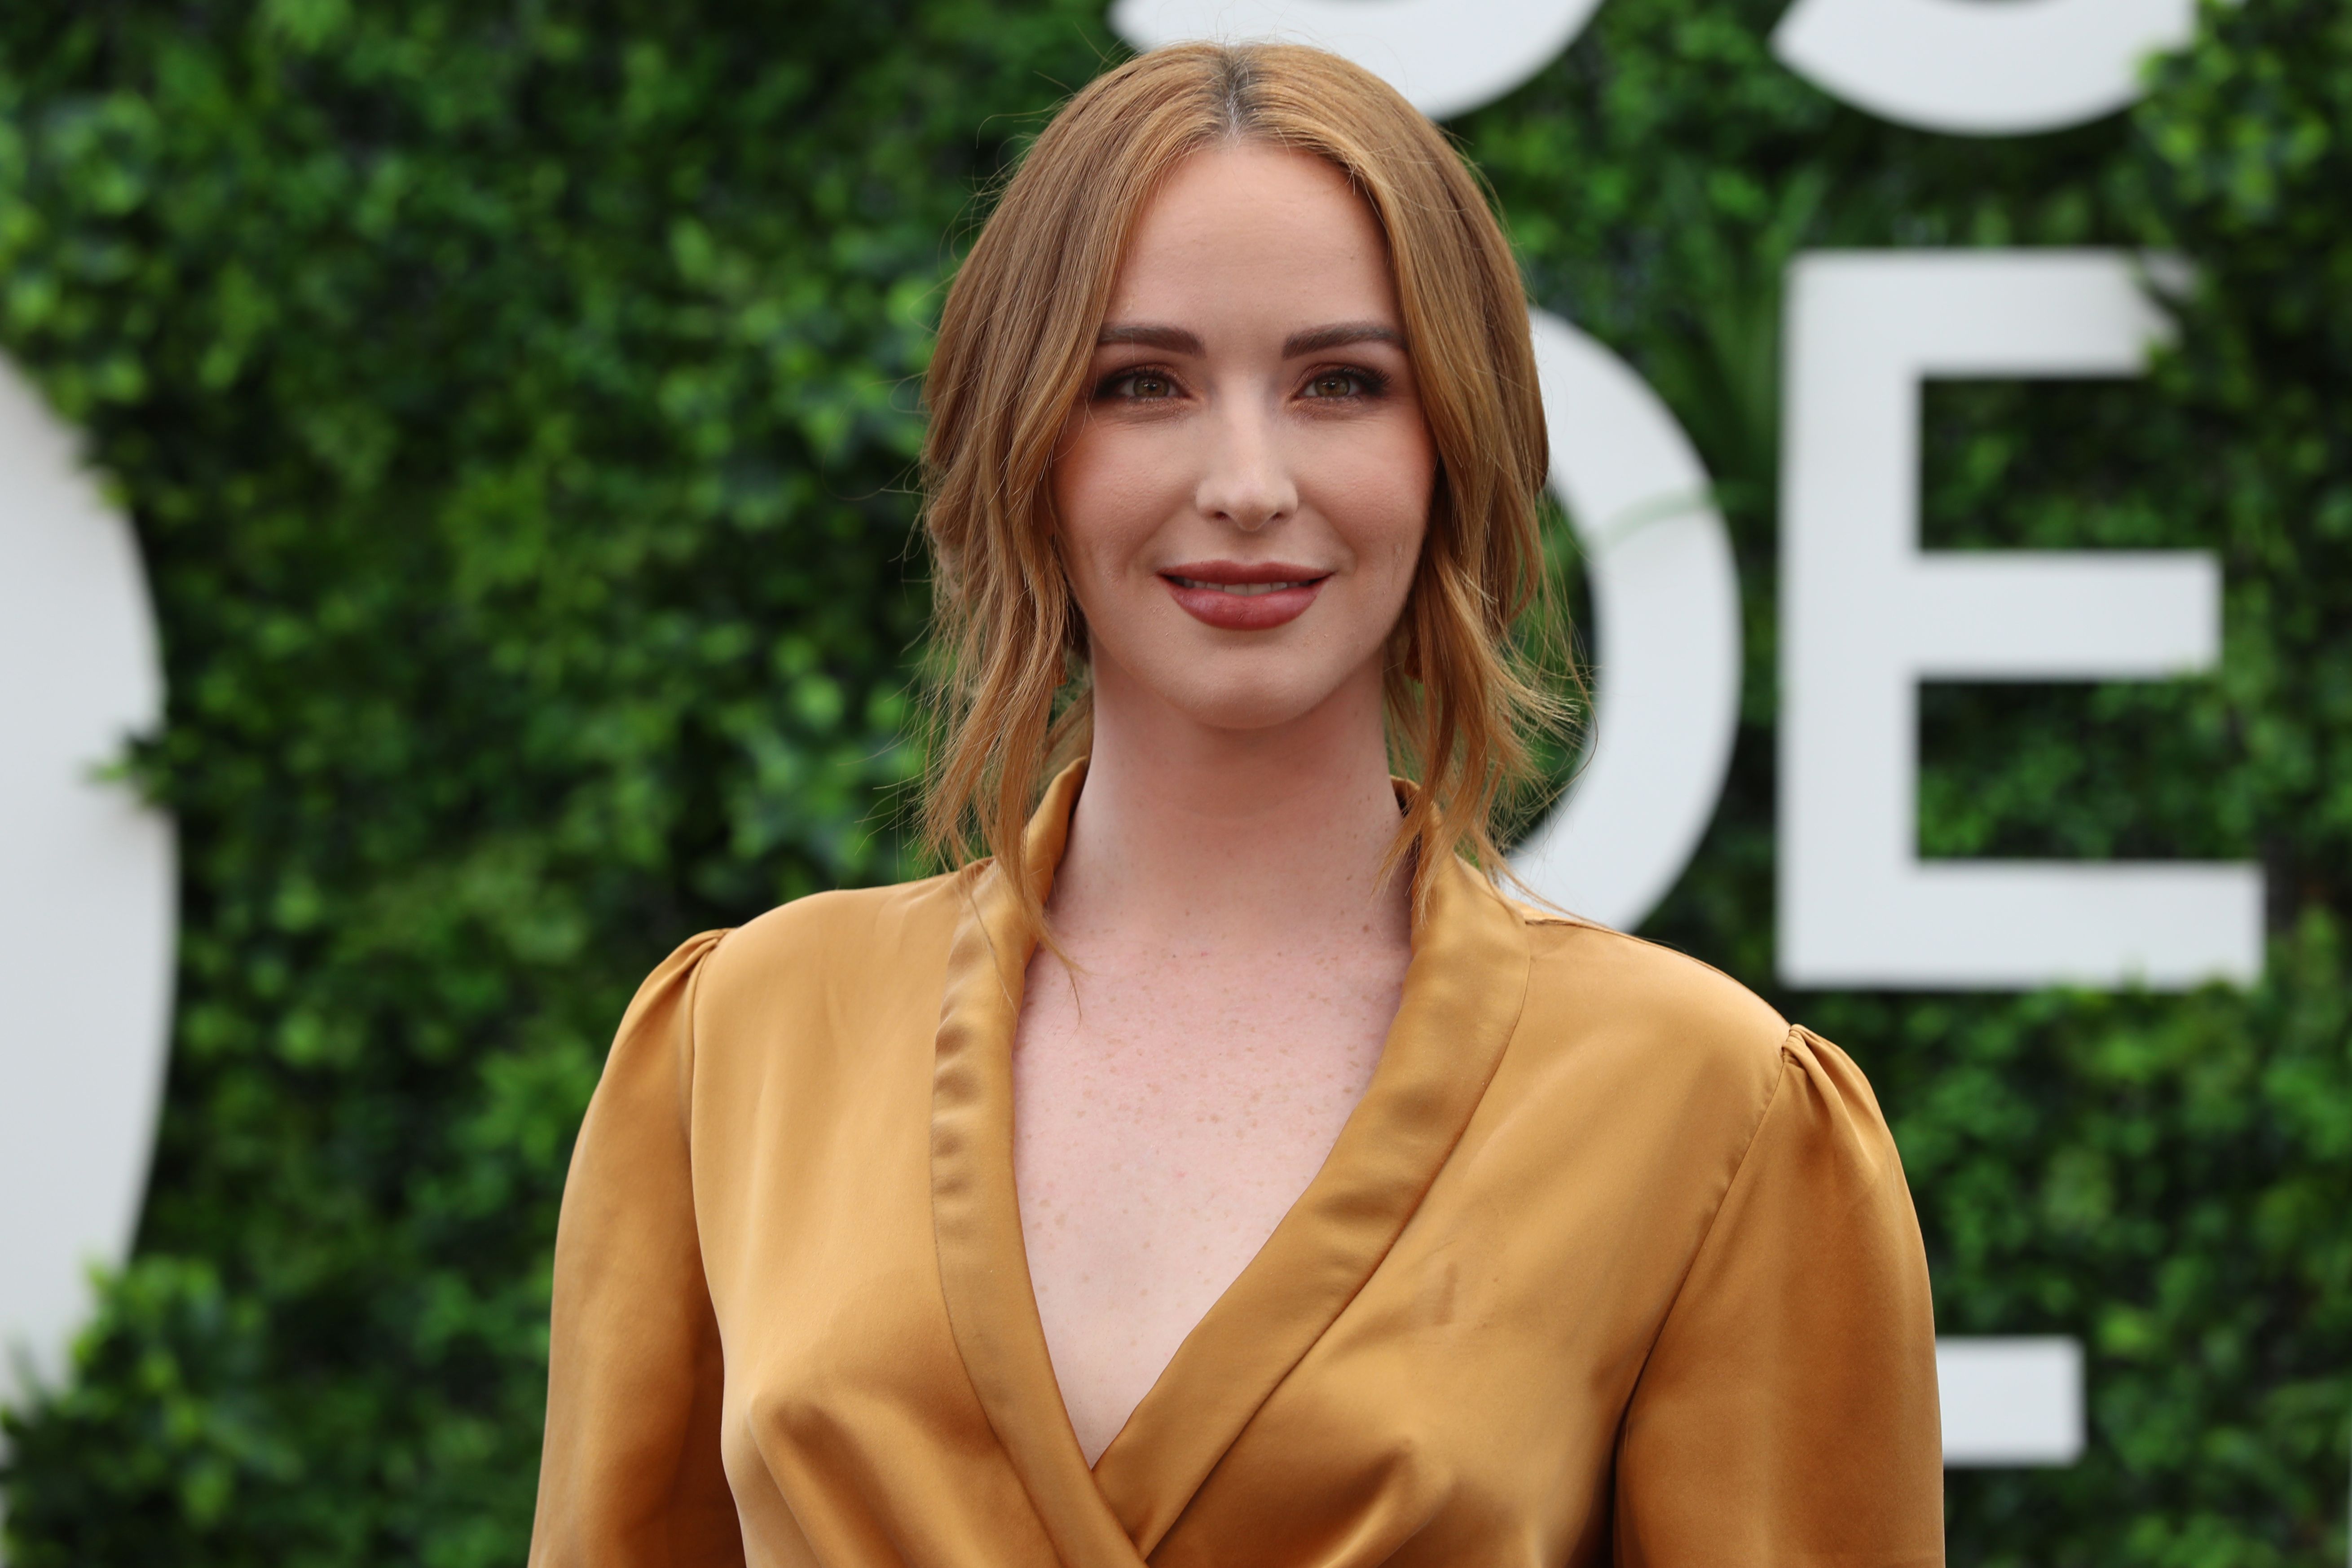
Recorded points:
(1464,693)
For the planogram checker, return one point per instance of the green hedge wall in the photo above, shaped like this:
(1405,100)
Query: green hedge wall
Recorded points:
(515,404)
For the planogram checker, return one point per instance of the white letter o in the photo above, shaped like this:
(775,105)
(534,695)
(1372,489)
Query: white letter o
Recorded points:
(87,911)
(1665,598)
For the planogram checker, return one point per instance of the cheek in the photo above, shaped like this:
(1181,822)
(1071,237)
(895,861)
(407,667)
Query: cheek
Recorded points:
(1108,502)
(1379,492)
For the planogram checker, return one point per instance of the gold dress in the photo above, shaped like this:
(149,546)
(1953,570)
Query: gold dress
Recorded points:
(1611,1264)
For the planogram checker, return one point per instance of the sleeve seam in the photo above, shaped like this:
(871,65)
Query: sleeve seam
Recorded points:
(688,1048)
(1707,1236)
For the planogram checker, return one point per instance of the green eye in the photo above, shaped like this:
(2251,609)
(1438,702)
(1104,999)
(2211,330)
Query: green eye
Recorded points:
(1337,384)
(1146,386)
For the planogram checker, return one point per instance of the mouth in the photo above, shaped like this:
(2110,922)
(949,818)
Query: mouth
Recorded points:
(1243,597)
(1243,590)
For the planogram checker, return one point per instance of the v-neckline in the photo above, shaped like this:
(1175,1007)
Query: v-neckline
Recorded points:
(1463,992)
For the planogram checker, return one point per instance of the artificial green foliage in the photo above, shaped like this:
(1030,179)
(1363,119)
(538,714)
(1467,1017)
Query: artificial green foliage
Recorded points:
(515,406)
(514,403)
(2164,1177)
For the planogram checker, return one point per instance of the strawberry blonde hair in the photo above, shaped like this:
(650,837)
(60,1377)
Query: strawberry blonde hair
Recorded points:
(1017,338)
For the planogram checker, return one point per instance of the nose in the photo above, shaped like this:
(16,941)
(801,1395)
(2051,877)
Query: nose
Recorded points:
(1246,479)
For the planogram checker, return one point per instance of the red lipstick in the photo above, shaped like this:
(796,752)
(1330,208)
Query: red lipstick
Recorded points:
(1243,597)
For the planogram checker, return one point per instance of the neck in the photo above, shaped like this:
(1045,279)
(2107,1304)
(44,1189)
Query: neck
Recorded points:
(1215,839)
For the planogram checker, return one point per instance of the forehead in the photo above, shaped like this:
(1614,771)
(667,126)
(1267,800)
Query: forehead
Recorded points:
(1253,230)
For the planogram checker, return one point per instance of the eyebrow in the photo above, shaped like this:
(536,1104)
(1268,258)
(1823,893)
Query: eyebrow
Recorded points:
(1339,335)
(1314,340)
(1175,340)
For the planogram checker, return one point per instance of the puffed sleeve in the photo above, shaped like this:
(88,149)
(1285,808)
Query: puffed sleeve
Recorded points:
(1787,1414)
(631,1474)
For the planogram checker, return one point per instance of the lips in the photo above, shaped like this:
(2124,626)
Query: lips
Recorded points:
(1243,597)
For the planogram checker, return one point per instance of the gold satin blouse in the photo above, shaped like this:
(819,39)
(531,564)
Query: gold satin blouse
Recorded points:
(1611,1264)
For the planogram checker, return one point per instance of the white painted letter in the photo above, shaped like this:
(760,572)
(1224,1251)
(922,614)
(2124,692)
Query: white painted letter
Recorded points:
(2011,1400)
(1980,67)
(1865,617)
(1665,594)
(86,886)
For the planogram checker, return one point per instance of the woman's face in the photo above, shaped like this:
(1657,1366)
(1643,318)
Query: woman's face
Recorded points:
(1244,488)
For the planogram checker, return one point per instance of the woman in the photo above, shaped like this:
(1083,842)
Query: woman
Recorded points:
(1223,1172)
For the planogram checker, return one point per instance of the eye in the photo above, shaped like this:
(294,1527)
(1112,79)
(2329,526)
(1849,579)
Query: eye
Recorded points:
(1139,386)
(1344,382)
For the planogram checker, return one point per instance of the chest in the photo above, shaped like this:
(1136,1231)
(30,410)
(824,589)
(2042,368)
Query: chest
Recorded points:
(1437,1390)
(1221,1077)
(1429,1368)
(1168,1110)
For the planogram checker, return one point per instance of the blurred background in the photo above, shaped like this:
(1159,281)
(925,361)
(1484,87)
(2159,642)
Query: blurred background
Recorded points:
(513,406)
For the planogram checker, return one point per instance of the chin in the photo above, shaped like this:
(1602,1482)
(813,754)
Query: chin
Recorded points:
(1245,701)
